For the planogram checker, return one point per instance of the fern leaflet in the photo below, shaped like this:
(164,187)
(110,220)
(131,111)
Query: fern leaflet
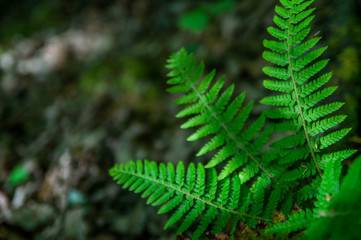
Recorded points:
(190,194)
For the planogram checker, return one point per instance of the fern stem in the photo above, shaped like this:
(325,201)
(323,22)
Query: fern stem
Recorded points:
(230,135)
(307,135)
(234,212)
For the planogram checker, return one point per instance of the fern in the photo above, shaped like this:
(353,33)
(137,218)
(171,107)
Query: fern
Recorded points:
(337,214)
(218,116)
(257,177)
(297,76)
(189,194)
(242,147)
(296,222)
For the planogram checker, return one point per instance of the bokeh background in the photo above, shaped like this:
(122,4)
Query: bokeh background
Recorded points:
(82,86)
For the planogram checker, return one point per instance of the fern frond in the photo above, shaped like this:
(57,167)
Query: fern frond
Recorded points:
(273,201)
(329,185)
(217,114)
(303,91)
(189,194)
(336,156)
(296,222)
(338,213)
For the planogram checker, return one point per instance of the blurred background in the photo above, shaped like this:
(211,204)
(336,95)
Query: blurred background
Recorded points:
(82,86)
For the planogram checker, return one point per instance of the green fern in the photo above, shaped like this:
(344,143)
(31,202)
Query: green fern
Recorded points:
(218,116)
(224,119)
(257,177)
(297,77)
(189,194)
(338,212)
(241,146)
(296,222)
